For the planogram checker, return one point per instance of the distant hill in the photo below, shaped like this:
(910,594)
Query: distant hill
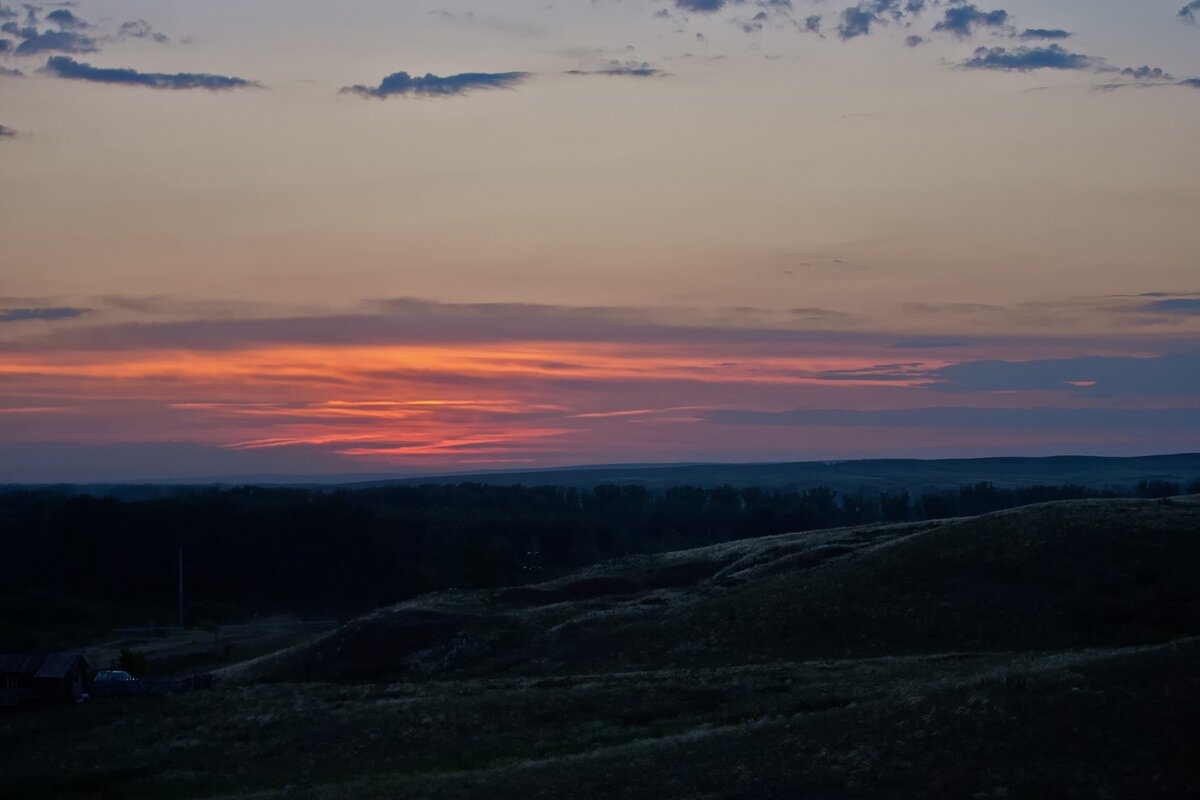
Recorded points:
(872,475)
(915,475)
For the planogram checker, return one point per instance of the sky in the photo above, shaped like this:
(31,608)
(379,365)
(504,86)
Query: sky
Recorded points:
(393,237)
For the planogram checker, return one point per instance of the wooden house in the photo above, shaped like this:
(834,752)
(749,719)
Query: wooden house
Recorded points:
(42,678)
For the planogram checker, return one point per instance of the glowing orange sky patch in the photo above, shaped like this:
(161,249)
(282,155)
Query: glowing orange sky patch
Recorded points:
(351,365)
(447,404)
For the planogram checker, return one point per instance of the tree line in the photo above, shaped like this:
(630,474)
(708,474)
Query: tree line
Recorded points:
(80,562)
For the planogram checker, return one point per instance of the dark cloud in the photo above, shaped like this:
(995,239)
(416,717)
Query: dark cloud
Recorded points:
(962,20)
(1045,33)
(6,133)
(856,21)
(1013,419)
(58,462)
(1193,83)
(703,6)
(1026,59)
(68,34)
(221,326)
(812,24)
(1098,376)
(914,41)
(1147,73)
(27,314)
(417,321)
(6,12)
(55,42)
(404,85)
(12,73)
(1188,12)
(860,19)
(1188,306)
(64,67)
(1171,375)
(926,342)
(66,20)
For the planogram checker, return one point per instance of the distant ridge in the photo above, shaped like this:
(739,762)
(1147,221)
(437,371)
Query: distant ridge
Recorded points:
(911,474)
(881,474)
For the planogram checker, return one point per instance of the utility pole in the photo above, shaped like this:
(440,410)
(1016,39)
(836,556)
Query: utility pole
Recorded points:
(181,588)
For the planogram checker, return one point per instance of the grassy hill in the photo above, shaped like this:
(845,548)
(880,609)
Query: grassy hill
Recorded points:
(1053,576)
(1049,651)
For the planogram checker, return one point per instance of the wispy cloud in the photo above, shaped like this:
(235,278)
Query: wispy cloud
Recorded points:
(140,29)
(1044,33)
(65,67)
(779,14)
(419,322)
(50,314)
(627,69)
(1188,306)
(7,132)
(1188,12)
(402,84)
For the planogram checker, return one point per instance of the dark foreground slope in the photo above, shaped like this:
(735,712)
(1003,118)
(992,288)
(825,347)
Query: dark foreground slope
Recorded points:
(1052,651)
(1054,576)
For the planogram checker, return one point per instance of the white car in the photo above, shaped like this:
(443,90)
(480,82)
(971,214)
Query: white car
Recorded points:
(114,681)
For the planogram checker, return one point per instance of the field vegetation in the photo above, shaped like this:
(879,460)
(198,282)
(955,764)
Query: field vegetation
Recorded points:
(1047,651)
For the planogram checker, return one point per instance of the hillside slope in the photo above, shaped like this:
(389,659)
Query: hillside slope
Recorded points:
(1051,651)
(1048,577)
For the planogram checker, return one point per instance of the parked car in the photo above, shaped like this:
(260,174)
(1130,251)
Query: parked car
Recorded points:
(115,681)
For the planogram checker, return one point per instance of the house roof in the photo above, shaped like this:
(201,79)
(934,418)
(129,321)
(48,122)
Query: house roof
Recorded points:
(41,665)
(59,665)
(21,663)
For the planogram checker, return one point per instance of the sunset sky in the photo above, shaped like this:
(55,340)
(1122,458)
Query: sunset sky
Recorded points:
(403,236)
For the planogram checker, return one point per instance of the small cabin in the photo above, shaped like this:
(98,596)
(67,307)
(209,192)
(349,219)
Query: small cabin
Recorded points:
(41,678)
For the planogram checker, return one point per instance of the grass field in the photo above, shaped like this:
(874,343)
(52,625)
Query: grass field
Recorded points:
(1052,651)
